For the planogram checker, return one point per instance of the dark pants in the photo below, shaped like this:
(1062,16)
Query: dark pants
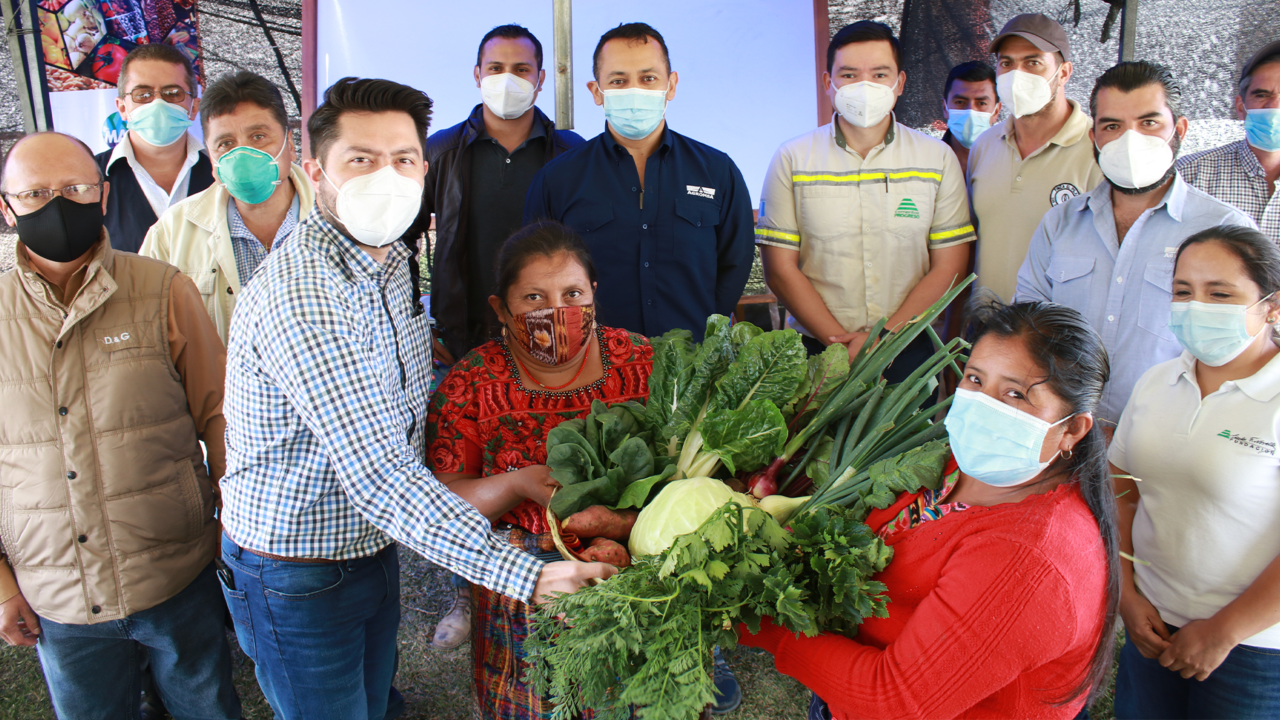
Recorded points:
(912,356)
(818,709)
(1246,685)
(322,635)
(93,671)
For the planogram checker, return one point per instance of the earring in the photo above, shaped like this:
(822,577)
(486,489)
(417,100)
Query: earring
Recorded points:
(1066,454)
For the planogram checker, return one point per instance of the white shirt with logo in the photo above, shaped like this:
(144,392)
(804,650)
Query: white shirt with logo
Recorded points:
(1208,520)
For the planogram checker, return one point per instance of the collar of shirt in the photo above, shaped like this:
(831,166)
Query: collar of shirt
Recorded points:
(159,198)
(240,231)
(124,151)
(838,134)
(1262,386)
(621,150)
(342,252)
(37,285)
(537,131)
(1072,131)
(1175,197)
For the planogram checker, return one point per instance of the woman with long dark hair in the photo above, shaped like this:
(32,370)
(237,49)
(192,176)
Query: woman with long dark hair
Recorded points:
(1005,582)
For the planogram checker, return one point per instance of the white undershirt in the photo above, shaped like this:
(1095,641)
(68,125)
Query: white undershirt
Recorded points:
(1208,519)
(159,198)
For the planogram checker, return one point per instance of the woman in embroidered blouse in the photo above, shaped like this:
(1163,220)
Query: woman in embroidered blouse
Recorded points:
(488,423)
(1004,583)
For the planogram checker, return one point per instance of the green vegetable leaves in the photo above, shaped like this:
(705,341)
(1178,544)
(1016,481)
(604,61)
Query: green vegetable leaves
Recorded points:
(597,459)
(745,439)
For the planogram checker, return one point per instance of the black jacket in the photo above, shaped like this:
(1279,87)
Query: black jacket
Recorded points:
(129,215)
(445,194)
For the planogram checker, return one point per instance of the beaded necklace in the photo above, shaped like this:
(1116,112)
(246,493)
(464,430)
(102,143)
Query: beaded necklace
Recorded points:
(514,367)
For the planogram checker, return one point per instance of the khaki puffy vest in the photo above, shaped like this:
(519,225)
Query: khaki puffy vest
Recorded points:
(105,505)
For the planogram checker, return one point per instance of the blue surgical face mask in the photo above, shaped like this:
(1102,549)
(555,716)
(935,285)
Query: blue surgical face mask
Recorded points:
(995,443)
(160,123)
(1214,333)
(967,125)
(1262,128)
(634,112)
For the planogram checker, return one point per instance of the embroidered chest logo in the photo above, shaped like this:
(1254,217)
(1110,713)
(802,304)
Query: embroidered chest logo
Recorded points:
(1258,445)
(122,337)
(1061,193)
(702,192)
(907,209)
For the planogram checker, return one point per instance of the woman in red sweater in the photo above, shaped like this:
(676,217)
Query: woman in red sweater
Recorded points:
(1003,587)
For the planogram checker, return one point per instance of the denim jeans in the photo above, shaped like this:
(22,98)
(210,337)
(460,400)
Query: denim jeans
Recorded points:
(322,635)
(818,709)
(1246,685)
(93,671)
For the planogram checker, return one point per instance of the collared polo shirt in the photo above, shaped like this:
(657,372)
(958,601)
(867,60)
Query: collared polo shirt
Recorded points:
(1011,194)
(246,247)
(668,253)
(863,226)
(1233,174)
(159,198)
(1122,288)
(1208,520)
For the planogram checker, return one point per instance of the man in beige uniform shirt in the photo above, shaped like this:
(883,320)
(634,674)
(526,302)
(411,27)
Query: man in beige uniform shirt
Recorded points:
(1038,158)
(111,375)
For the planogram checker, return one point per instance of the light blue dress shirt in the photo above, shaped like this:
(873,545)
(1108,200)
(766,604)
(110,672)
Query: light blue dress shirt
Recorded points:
(1122,289)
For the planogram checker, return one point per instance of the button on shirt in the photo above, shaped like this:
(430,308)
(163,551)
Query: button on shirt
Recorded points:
(863,226)
(1233,174)
(1208,520)
(667,255)
(326,401)
(159,198)
(1122,289)
(246,247)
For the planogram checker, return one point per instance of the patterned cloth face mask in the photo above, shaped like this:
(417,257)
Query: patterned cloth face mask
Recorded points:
(554,336)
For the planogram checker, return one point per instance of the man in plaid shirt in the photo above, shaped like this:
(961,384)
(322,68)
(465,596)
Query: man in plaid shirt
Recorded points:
(327,377)
(1245,173)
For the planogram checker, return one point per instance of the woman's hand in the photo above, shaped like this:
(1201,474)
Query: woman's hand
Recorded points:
(853,341)
(1143,625)
(1197,649)
(566,576)
(536,483)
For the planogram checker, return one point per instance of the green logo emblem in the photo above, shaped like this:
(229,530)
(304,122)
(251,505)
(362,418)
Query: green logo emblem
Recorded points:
(907,209)
(1225,433)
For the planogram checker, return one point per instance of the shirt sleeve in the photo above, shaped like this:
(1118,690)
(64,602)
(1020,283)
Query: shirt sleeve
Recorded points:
(968,644)
(1033,281)
(318,355)
(201,361)
(951,224)
(778,225)
(734,250)
(452,427)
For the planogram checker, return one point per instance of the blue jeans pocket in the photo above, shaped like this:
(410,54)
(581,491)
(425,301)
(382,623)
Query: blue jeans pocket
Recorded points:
(302,581)
(238,605)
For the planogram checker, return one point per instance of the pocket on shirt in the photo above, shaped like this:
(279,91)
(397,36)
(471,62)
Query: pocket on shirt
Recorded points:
(908,216)
(1072,280)
(825,213)
(693,237)
(1157,293)
(589,217)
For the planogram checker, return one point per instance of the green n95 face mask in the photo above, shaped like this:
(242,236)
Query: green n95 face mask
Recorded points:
(250,174)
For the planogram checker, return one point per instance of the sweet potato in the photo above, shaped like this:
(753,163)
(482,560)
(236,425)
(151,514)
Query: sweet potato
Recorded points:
(599,521)
(607,551)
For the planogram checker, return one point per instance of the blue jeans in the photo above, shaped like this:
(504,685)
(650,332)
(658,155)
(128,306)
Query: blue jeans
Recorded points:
(322,635)
(93,670)
(1245,685)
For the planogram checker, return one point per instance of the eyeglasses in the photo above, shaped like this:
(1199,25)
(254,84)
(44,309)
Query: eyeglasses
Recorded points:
(38,198)
(169,93)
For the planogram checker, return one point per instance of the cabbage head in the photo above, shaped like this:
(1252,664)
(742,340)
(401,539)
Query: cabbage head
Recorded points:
(681,508)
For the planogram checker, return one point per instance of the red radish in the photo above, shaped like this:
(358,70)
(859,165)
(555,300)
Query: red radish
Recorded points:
(762,484)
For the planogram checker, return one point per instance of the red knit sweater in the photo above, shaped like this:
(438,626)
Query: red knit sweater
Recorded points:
(994,613)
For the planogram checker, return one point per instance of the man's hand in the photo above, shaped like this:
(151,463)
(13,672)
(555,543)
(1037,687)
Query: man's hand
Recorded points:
(567,576)
(536,483)
(1143,624)
(854,341)
(1197,649)
(18,622)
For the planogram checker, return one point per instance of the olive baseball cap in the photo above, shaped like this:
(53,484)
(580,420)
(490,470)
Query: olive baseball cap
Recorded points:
(1039,30)
(1266,52)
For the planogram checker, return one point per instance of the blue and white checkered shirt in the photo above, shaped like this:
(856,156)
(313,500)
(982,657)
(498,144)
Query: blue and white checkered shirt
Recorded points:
(326,399)
(1233,174)
(246,247)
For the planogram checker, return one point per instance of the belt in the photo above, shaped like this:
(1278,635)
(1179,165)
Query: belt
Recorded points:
(269,556)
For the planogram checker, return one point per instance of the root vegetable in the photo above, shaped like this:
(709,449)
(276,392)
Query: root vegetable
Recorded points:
(607,551)
(599,521)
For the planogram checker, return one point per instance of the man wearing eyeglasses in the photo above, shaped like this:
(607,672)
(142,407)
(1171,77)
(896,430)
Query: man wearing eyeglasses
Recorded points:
(157,163)
(112,374)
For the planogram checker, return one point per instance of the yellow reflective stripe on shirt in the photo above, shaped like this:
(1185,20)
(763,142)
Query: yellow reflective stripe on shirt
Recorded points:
(953,233)
(777,235)
(922,174)
(891,176)
(858,177)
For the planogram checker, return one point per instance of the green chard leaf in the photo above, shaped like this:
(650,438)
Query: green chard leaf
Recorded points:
(908,472)
(635,458)
(638,493)
(770,367)
(823,374)
(672,364)
(570,464)
(746,439)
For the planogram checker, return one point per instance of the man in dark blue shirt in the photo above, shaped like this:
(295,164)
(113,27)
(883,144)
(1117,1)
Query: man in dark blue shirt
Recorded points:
(668,219)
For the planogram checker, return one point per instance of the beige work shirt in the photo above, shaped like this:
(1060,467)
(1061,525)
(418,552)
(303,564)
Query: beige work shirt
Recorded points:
(863,226)
(1010,194)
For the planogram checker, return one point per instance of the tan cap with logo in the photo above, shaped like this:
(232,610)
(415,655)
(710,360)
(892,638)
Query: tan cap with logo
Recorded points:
(1037,29)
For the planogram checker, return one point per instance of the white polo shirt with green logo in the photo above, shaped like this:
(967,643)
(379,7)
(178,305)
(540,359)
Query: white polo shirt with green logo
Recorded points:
(863,226)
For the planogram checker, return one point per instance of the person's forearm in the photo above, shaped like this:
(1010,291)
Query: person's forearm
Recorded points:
(493,496)
(8,583)
(1127,497)
(215,443)
(802,300)
(1256,609)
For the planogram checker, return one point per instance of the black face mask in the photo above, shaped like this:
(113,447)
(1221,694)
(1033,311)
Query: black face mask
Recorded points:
(62,230)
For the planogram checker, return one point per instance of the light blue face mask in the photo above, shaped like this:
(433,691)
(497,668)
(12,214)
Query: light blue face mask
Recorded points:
(160,123)
(995,443)
(1214,333)
(634,112)
(1262,128)
(967,125)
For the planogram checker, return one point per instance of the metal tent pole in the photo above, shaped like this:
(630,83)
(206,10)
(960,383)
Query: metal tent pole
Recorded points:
(563,19)
(19,24)
(1128,29)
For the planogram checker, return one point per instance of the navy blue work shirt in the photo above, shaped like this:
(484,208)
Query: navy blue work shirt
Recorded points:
(666,257)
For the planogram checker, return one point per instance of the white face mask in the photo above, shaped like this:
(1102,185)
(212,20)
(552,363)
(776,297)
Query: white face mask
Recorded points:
(508,96)
(863,104)
(377,208)
(1025,92)
(1134,160)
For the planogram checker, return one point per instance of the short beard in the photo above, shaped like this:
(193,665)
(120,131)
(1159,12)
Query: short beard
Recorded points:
(1048,106)
(1175,143)
(327,201)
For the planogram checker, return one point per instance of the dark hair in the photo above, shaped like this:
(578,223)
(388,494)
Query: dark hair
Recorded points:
(543,238)
(972,71)
(1129,76)
(1075,363)
(510,32)
(1257,252)
(365,95)
(863,31)
(635,32)
(225,94)
(163,53)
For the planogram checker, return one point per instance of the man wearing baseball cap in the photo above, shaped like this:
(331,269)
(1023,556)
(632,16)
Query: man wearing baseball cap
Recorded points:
(1038,158)
(1244,173)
